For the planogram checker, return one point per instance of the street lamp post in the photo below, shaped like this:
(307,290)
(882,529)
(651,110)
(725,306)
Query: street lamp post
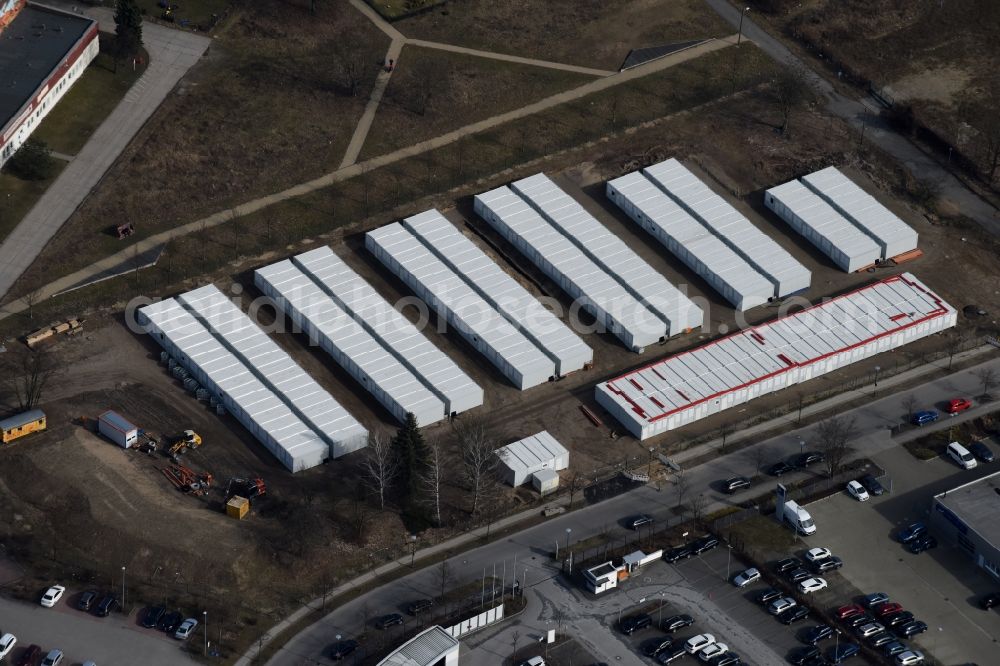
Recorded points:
(413,549)
(729,559)
(568,530)
(123,588)
(204,617)
(877,368)
(802,445)
(743,13)
(649,468)
(836,645)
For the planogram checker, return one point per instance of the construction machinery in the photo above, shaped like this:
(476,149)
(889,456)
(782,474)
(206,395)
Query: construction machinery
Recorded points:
(250,488)
(188,440)
(187,480)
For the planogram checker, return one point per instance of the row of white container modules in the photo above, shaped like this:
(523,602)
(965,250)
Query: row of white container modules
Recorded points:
(690,241)
(760,250)
(608,251)
(735,369)
(593,289)
(454,301)
(554,338)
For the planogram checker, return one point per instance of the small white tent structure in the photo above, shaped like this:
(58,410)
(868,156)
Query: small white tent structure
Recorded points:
(520,460)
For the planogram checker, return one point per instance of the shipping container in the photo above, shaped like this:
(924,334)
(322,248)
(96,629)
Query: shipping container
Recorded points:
(733,370)
(118,429)
(500,290)
(22,424)
(761,251)
(587,283)
(610,253)
(455,302)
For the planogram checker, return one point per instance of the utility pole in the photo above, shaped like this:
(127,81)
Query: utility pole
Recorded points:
(739,37)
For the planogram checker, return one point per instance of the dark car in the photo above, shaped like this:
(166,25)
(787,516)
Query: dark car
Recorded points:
(793,614)
(897,619)
(798,575)
(152,615)
(671,654)
(779,468)
(170,622)
(924,417)
(672,624)
(802,655)
(874,599)
(908,534)
(814,635)
(981,451)
(704,544)
(635,522)
(787,564)
(816,661)
(911,629)
(803,460)
(736,483)
(893,648)
(990,600)
(107,606)
(678,553)
(880,639)
(728,659)
(843,652)
(87,600)
(419,606)
(857,620)
(871,484)
(390,620)
(342,649)
(635,623)
(30,656)
(829,564)
(921,544)
(655,646)
(767,596)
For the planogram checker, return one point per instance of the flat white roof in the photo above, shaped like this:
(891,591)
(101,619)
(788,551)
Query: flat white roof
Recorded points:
(425,649)
(528,453)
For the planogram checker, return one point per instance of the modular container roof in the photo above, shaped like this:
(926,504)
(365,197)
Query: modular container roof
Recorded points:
(499,288)
(304,297)
(553,247)
(861,208)
(24,418)
(609,251)
(759,249)
(468,307)
(528,454)
(705,248)
(395,332)
(756,354)
(427,648)
(824,220)
(117,421)
(234,380)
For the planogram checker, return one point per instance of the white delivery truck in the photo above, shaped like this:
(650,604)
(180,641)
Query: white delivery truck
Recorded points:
(798,518)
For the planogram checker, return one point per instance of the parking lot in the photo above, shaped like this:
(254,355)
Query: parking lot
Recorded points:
(941,586)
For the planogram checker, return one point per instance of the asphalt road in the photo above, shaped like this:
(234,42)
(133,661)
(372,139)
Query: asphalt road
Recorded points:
(532,547)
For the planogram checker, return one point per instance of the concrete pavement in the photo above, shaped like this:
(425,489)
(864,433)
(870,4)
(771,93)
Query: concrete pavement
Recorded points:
(172,52)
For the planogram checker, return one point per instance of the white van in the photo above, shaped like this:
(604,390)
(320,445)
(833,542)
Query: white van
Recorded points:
(961,455)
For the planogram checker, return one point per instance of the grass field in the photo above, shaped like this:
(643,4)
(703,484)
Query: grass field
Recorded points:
(18,196)
(394,9)
(196,13)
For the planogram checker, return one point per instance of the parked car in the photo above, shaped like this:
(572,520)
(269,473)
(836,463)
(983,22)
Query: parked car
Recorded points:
(798,575)
(671,654)
(30,656)
(857,491)
(390,620)
(990,600)
(780,468)
(888,608)
(52,596)
(767,596)
(924,417)
(831,563)
(802,655)
(698,643)
(169,622)
(781,604)
(870,629)
(787,564)
(881,638)
(53,658)
(87,599)
(810,585)
(106,606)
(728,659)
(676,553)
(874,599)
(817,554)
(152,615)
(958,405)
(850,610)
(910,658)
(856,621)
(872,485)
(634,623)
(747,577)
(534,661)
(814,635)
(841,653)
(186,629)
(911,628)
(704,544)
(675,622)
(419,606)
(982,452)
(7,643)
(713,651)
(898,618)
(793,614)
(911,532)
(342,649)
(635,522)
(921,544)
(735,484)
(894,648)
(655,646)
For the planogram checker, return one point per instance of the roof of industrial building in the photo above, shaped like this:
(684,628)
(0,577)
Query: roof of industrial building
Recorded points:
(608,250)
(977,505)
(529,453)
(756,354)
(34,44)
(21,419)
(601,570)
(117,421)
(424,649)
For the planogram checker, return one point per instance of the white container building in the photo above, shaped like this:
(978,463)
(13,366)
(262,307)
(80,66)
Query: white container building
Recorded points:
(397,335)
(835,236)
(353,348)
(586,282)
(894,236)
(118,429)
(610,253)
(520,460)
(690,241)
(500,290)
(735,369)
(456,302)
(255,405)
(761,251)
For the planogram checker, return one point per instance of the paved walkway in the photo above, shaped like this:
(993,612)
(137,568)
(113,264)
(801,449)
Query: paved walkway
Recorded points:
(368,117)
(107,263)
(534,62)
(172,52)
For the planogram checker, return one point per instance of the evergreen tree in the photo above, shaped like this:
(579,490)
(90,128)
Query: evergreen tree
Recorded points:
(128,27)
(411,451)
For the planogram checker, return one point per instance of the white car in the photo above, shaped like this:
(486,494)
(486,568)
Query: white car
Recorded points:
(53,658)
(857,491)
(779,605)
(910,657)
(186,629)
(814,555)
(870,629)
(713,651)
(810,585)
(53,595)
(7,643)
(699,643)
(534,661)
(749,576)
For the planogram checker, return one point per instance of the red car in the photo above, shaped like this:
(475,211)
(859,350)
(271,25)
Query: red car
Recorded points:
(957,405)
(888,609)
(850,610)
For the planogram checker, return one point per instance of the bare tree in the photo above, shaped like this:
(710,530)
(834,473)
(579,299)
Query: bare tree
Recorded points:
(479,457)
(432,477)
(360,515)
(790,90)
(909,403)
(956,340)
(724,432)
(833,437)
(680,487)
(30,299)
(445,577)
(981,115)
(697,506)
(759,454)
(351,64)
(988,378)
(576,483)
(380,465)
(27,373)
(800,399)
(428,76)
